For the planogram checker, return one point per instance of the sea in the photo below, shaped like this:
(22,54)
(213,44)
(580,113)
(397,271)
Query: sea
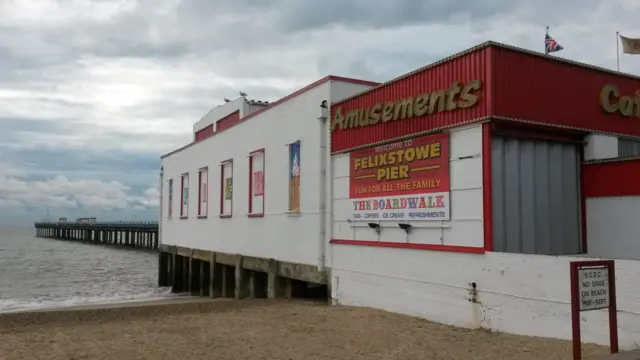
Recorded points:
(40,273)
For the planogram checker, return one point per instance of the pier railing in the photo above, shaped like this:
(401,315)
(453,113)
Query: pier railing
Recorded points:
(124,225)
(136,234)
(95,222)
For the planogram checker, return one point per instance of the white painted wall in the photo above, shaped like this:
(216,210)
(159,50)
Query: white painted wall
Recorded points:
(286,237)
(465,227)
(613,227)
(520,294)
(600,147)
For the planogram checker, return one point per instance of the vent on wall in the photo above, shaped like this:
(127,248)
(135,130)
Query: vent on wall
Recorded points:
(628,148)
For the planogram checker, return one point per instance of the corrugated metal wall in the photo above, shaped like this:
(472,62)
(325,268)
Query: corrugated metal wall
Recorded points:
(523,90)
(536,196)
(628,148)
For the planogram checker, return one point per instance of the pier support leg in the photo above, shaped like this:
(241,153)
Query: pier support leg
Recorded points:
(163,265)
(201,278)
(195,269)
(205,275)
(186,278)
(257,285)
(242,280)
(175,276)
(215,277)
(277,286)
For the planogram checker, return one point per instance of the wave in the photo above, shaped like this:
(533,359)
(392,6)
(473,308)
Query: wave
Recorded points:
(16,305)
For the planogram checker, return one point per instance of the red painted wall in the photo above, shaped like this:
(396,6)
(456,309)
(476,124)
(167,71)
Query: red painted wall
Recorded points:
(517,85)
(228,121)
(204,133)
(538,88)
(619,178)
(473,66)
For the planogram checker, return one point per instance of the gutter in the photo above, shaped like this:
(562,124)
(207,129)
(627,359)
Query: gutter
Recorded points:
(322,218)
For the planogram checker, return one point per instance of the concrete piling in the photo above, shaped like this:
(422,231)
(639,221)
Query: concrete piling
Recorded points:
(215,274)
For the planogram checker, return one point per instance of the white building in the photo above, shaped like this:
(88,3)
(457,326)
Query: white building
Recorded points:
(460,193)
(249,183)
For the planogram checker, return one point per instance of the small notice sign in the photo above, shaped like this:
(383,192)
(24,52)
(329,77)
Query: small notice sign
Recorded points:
(593,287)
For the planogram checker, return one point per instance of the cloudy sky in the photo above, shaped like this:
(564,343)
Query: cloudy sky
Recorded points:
(92,92)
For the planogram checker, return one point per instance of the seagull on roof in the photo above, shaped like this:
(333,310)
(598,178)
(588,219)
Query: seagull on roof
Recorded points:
(242,94)
(226,100)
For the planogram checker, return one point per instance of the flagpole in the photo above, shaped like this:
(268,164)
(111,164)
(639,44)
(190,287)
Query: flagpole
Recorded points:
(545,44)
(618,49)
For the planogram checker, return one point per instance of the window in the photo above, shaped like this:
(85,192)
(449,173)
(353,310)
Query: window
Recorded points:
(294,177)
(256,183)
(170,205)
(226,188)
(203,177)
(184,196)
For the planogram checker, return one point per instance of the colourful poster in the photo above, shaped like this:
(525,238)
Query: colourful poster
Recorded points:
(257,184)
(406,180)
(227,188)
(202,206)
(184,210)
(294,177)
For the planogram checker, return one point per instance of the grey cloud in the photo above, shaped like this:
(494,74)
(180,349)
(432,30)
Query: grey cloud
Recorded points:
(127,167)
(199,51)
(309,14)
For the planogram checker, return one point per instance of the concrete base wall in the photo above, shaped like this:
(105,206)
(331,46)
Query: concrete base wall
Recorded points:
(514,293)
(216,274)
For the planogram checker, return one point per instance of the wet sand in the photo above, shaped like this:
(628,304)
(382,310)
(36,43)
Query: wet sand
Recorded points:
(256,329)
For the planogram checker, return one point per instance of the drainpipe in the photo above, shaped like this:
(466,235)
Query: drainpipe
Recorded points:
(161,206)
(324,134)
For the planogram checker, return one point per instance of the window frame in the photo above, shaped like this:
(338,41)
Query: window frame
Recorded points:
(290,176)
(222,214)
(252,214)
(200,207)
(182,183)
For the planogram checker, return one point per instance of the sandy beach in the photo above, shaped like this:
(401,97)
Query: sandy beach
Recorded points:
(256,329)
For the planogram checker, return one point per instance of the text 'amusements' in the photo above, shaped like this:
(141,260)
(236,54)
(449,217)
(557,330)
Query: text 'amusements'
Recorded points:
(457,96)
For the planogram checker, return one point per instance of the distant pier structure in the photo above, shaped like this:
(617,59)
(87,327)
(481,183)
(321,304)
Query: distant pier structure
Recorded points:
(132,234)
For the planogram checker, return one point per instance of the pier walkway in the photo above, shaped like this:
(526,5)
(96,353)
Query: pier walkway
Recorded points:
(133,234)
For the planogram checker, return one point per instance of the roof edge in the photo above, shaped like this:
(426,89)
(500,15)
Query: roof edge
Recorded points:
(283,100)
(497,45)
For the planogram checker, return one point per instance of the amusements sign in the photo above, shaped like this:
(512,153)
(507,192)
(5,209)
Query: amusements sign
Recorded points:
(405,180)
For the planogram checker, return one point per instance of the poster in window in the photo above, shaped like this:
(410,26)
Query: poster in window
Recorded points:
(202,209)
(294,177)
(257,183)
(227,191)
(184,211)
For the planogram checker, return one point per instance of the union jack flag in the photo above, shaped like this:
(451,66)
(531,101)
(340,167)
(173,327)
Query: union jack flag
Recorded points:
(550,45)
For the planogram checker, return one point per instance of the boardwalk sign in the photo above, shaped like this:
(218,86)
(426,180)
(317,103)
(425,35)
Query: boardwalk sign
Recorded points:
(406,180)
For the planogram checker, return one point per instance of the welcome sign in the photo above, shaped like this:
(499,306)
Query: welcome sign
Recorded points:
(406,180)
